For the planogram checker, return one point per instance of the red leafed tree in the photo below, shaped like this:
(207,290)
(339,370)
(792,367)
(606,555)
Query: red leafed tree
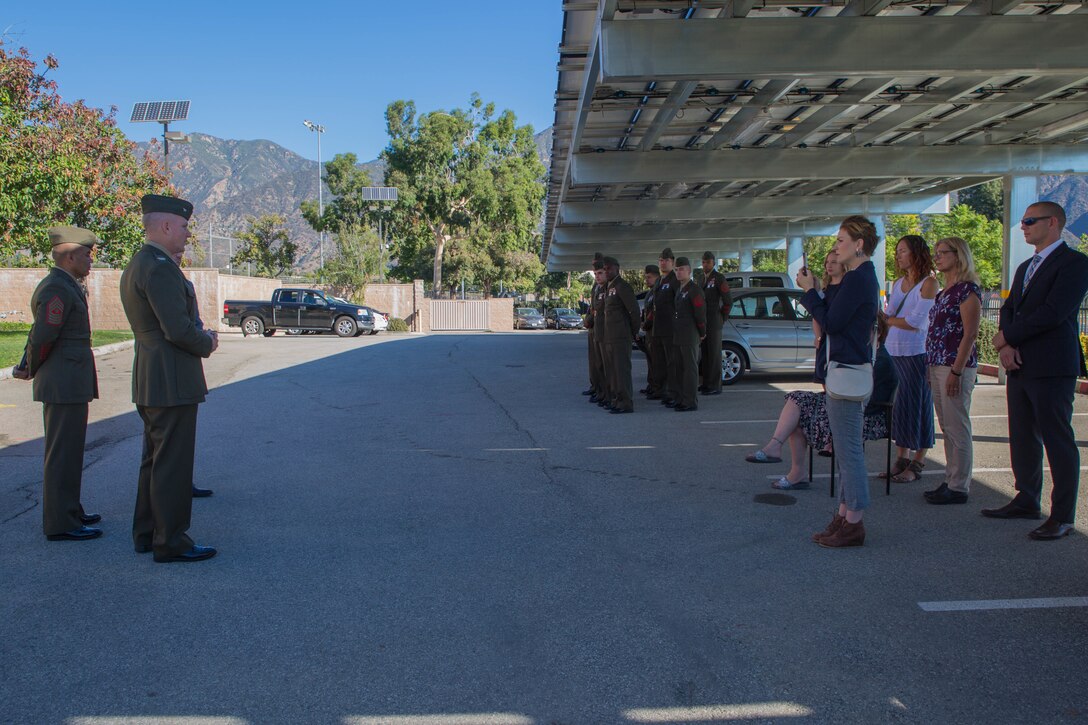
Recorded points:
(65,163)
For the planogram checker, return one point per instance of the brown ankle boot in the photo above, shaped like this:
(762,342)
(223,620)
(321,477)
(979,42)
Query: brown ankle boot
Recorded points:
(848,535)
(835,525)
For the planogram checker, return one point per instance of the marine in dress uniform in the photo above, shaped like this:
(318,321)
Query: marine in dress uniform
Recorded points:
(596,371)
(622,321)
(689,328)
(651,273)
(600,333)
(718,301)
(61,364)
(660,320)
(167,381)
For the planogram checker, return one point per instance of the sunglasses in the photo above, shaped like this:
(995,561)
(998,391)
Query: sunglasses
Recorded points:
(1028,221)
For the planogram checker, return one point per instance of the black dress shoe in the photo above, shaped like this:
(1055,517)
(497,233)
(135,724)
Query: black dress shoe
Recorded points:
(197,553)
(703,388)
(588,391)
(1012,510)
(83,533)
(604,403)
(142,548)
(201,492)
(946,496)
(644,391)
(712,392)
(90,518)
(939,491)
(1051,530)
(593,398)
(617,411)
(685,408)
(669,403)
(653,396)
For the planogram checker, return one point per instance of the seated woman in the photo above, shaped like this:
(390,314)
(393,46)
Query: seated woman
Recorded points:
(803,420)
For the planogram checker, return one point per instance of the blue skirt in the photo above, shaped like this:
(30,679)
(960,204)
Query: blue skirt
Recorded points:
(912,416)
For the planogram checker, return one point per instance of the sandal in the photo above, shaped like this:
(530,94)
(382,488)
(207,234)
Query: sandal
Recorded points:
(784,484)
(901,464)
(913,469)
(761,457)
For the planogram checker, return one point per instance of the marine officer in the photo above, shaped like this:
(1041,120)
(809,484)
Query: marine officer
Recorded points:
(689,329)
(650,274)
(660,320)
(600,332)
(621,326)
(718,302)
(596,385)
(59,360)
(167,381)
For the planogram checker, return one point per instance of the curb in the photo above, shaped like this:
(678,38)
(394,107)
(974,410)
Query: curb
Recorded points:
(5,373)
(991,370)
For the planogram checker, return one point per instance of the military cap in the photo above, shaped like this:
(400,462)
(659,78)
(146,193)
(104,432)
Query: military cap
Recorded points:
(653,269)
(597,255)
(610,261)
(708,255)
(598,264)
(151,203)
(666,253)
(683,262)
(71,235)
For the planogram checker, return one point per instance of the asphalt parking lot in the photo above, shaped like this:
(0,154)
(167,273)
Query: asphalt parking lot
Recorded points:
(440,530)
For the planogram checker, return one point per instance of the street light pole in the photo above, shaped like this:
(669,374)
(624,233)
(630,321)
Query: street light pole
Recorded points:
(319,129)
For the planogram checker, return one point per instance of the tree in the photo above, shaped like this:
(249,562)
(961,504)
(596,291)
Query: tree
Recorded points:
(470,192)
(983,235)
(359,258)
(345,181)
(987,199)
(267,245)
(65,163)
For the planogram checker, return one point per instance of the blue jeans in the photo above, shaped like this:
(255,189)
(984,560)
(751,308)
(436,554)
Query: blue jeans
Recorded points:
(847,419)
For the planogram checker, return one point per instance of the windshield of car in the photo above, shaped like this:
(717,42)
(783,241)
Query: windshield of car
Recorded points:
(563,311)
(527,311)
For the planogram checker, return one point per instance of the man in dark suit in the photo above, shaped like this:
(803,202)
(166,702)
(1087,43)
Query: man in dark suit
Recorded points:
(621,329)
(61,364)
(1039,347)
(167,381)
(718,301)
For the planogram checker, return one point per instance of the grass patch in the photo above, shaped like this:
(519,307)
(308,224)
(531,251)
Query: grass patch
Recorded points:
(13,340)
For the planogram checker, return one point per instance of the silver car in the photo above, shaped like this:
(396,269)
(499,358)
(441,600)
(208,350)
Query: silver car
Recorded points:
(768,330)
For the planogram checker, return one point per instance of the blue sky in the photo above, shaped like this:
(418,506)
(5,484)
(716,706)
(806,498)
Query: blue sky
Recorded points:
(255,70)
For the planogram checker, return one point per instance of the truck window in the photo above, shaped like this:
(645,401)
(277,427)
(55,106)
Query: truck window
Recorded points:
(765,282)
(288,295)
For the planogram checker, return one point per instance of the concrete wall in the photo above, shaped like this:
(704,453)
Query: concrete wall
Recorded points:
(104,296)
(501,314)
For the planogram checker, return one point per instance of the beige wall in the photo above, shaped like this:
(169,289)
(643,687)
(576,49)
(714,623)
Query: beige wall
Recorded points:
(501,314)
(104,296)
(405,301)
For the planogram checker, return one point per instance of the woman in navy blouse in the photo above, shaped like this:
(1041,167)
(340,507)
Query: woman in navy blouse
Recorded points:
(848,322)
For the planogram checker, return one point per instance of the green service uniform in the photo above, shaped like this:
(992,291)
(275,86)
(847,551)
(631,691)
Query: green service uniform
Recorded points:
(600,335)
(60,361)
(660,322)
(596,369)
(621,328)
(718,300)
(167,385)
(689,324)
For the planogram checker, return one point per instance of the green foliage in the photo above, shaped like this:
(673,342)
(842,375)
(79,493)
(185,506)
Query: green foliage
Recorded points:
(267,245)
(13,340)
(983,236)
(396,324)
(470,195)
(987,199)
(359,258)
(1083,246)
(769,260)
(347,208)
(6,326)
(987,353)
(816,251)
(65,163)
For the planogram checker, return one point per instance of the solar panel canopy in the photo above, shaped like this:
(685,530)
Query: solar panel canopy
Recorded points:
(379,193)
(728,126)
(160,111)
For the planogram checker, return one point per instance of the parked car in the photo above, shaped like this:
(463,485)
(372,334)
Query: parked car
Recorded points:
(381,320)
(768,330)
(563,318)
(527,318)
(759,279)
(291,308)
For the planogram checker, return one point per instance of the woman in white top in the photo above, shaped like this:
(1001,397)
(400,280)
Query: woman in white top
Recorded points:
(908,308)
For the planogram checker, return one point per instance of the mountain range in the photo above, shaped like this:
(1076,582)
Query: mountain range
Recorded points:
(228,180)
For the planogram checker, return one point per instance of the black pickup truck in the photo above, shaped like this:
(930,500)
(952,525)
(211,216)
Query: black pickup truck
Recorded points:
(298,309)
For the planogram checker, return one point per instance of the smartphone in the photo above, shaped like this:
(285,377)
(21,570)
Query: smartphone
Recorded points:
(804,263)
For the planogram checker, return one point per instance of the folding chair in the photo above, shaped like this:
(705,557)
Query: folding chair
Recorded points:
(886,406)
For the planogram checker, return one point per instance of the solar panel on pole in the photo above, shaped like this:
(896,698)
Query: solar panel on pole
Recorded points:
(162,112)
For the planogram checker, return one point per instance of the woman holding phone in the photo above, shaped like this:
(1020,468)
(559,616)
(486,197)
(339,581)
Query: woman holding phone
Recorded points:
(848,323)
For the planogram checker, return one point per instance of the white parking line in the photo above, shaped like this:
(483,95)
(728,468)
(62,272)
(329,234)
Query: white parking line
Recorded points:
(745,422)
(515,449)
(934,472)
(618,448)
(737,445)
(978,605)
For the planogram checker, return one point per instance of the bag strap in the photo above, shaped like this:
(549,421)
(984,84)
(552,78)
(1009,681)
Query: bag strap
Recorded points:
(872,346)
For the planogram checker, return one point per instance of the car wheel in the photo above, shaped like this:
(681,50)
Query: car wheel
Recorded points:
(293,331)
(733,363)
(252,326)
(345,327)
(270,333)
(373,332)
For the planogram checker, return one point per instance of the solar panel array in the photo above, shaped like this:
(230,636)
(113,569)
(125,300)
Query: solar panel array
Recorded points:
(160,111)
(379,193)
